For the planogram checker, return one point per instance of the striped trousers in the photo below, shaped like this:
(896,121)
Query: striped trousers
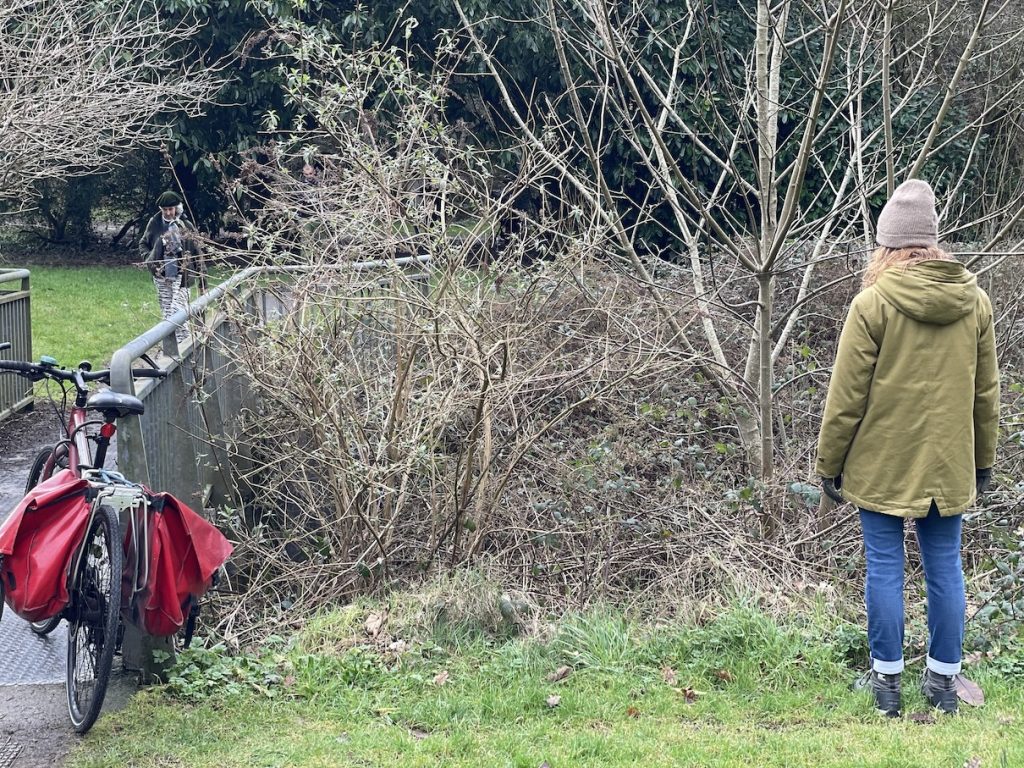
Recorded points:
(172,297)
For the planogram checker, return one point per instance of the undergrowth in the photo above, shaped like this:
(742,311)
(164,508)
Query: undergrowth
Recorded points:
(370,685)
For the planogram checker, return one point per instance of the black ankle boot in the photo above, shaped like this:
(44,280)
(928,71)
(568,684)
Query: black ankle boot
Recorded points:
(886,689)
(940,690)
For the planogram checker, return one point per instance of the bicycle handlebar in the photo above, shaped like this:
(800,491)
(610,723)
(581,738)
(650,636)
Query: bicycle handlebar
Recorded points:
(4,345)
(38,372)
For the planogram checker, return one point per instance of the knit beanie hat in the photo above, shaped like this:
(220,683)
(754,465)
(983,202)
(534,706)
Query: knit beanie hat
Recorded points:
(167,199)
(909,218)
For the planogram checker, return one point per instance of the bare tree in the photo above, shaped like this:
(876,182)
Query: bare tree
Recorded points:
(853,94)
(84,79)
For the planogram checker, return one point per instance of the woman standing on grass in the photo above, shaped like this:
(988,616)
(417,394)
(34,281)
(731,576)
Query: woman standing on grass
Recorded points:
(909,431)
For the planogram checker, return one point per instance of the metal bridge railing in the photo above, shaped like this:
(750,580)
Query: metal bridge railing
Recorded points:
(185,443)
(15,327)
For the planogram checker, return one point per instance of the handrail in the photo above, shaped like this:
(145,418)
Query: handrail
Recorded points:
(8,275)
(121,363)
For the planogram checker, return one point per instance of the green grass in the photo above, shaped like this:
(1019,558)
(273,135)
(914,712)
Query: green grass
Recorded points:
(741,691)
(87,313)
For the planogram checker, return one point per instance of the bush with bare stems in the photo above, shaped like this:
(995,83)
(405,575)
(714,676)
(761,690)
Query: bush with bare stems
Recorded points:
(536,404)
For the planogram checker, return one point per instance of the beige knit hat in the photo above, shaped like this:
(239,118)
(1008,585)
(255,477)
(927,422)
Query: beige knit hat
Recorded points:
(909,218)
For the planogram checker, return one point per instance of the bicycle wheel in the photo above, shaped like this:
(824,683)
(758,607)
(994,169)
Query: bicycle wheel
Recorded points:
(93,617)
(43,628)
(43,466)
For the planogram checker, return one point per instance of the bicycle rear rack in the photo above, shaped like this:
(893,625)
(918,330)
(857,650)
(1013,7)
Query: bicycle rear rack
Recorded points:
(126,497)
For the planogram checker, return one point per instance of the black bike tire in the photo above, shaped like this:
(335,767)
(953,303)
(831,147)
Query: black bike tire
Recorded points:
(45,627)
(36,475)
(82,720)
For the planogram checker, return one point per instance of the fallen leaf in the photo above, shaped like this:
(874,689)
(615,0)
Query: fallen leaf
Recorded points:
(374,623)
(974,762)
(724,675)
(288,681)
(689,694)
(554,700)
(924,718)
(973,658)
(968,691)
(441,677)
(669,676)
(418,734)
(632,712)
(559,674)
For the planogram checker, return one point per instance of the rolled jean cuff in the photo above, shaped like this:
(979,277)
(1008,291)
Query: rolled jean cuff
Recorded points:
(946,668)
(889,667)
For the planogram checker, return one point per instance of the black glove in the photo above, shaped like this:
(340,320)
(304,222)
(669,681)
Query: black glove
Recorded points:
(982,478)
(831,486)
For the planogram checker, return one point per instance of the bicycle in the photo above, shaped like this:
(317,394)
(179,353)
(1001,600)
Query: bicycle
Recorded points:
(94,580)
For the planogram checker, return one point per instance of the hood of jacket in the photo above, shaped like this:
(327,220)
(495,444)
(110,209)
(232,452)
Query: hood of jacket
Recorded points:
(936,292)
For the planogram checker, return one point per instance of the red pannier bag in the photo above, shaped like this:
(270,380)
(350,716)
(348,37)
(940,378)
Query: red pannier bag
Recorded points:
(184,553)
(37,543)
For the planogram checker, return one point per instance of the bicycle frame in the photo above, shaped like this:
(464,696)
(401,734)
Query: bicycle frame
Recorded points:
(77,443)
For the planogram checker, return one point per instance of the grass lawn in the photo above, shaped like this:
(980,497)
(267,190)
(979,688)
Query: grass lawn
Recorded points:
(87,313)
(742,691)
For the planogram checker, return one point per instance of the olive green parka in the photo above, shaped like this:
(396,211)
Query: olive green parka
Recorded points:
(913,403)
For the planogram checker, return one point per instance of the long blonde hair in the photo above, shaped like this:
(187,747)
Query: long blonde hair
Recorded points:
(902,258)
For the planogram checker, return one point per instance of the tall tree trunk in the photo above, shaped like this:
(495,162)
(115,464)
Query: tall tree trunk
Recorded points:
(765,374)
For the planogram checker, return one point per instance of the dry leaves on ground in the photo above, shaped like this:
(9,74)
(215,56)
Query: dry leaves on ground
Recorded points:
(554,700)
(375,623)
(969,691)
(559,674)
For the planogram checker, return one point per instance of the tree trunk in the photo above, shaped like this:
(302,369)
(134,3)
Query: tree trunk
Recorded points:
(766,378)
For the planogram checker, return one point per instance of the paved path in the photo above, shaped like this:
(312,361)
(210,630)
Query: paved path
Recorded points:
(14,468)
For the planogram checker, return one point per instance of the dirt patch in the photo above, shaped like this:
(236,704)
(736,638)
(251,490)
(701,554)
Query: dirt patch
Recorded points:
(36,427)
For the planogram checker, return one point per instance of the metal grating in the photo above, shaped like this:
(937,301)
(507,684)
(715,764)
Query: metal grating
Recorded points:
(8,752)
(26,659)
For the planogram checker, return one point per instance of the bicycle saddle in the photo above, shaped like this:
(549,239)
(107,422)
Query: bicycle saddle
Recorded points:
(121,405)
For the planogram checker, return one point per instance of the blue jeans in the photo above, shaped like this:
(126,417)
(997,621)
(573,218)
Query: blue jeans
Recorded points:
(939,540)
